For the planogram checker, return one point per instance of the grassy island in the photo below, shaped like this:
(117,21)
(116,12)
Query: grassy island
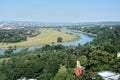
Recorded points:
(46,37)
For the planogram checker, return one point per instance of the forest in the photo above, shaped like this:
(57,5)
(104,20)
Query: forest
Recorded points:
(16,35)
(46,63)
(12,36)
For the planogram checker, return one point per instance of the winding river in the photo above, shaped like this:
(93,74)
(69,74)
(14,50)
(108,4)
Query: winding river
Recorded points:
(83,39)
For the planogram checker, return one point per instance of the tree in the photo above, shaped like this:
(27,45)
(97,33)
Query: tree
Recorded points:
(45,76)
(59,39)
(89,75)
(2,76)
(71,61)
(100,60)
(61,76)
(8,52)
(83,61)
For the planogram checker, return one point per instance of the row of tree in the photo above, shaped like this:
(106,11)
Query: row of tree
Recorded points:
(13,36)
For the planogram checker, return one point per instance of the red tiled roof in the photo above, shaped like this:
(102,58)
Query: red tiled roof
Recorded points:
(78,72)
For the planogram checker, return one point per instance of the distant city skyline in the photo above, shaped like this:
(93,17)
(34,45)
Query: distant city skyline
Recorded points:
(60,10)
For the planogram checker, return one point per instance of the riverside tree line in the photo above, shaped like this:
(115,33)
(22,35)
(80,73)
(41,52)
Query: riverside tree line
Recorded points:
(16,35)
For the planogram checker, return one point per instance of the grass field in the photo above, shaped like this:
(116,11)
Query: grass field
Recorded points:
(46,37)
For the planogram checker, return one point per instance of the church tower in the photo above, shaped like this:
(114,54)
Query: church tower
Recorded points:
(78,64)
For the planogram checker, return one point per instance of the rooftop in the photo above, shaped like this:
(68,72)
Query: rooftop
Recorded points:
(78,72)
(108,75)
(118,54)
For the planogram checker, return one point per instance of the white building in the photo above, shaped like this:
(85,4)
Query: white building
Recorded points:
(26,79)
(118,54)
(108,75)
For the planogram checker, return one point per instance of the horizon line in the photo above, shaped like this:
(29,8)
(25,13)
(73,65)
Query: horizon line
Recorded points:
(59,21)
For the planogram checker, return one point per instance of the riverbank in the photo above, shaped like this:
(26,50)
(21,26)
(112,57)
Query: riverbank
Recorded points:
(46,37)
(89,34)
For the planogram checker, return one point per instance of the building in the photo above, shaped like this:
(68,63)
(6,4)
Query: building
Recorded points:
(78,64)
(118,54)
(26,79)
(108,75)
(79,70)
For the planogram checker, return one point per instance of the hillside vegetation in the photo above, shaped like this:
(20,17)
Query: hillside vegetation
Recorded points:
(57,62)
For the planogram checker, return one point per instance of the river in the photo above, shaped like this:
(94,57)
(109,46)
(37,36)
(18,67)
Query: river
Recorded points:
(83,39)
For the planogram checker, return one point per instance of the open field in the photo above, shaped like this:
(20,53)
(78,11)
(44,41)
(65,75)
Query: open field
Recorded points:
(46,37)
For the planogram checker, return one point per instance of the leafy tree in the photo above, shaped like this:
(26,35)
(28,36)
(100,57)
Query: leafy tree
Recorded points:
(83,61)
(89,75)
(2,76)
(59,39)
(61,76)
(45,76)
(8,52)
(100,60)
(71,61)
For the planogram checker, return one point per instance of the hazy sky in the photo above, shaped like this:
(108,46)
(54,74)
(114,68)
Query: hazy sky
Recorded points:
(60,10)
